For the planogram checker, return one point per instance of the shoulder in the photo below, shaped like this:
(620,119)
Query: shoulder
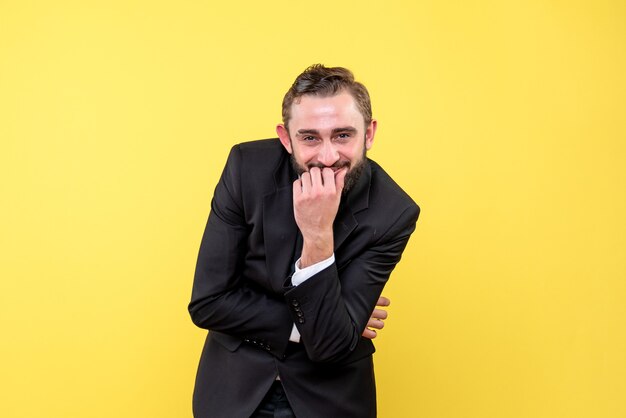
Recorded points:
(258,156)
(260,166)
(265,148)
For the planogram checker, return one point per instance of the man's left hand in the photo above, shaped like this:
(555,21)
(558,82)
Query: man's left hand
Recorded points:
(376,320)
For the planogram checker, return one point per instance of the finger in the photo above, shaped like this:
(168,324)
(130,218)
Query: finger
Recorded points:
(316,177)
(305,179)
(375,323)
(340,179)
(297,187)
(369,333)
(329,177)
(383,301)
(379,314)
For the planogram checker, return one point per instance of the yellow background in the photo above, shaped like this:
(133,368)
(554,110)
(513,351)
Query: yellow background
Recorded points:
(504,121)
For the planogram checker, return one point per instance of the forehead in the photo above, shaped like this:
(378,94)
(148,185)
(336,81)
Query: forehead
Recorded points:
(325,111)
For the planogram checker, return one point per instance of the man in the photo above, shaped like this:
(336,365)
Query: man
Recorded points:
(304,231)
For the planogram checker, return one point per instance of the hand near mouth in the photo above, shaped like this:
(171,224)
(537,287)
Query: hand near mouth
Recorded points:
(316,197)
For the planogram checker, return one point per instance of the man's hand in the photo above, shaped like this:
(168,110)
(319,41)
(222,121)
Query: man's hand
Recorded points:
(316,197)
(376,321)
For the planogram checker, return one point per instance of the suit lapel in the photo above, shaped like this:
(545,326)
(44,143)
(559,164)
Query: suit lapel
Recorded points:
(353,202)
(280,231)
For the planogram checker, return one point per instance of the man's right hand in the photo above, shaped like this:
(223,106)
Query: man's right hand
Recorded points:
(316,197)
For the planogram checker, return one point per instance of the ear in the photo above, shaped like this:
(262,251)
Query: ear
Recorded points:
(369,134)
(283,135)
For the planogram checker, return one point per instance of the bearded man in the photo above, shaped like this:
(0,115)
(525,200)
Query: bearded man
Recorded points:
(304,232)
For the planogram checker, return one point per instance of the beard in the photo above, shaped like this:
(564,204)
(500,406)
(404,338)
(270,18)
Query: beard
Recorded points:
(352,176)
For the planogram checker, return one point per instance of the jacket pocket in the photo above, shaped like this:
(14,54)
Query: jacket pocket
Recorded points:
(227,341)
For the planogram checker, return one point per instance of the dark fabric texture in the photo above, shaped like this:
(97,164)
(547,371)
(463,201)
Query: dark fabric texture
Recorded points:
(242,291)
(275,404)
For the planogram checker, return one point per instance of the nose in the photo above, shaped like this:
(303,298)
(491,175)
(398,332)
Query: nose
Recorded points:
(328,155)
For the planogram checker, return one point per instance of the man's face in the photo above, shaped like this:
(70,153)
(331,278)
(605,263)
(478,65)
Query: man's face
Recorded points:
(328,132)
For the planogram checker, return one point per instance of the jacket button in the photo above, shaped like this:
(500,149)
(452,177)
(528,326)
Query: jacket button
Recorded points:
(300,320)
(294,302)
(300,314)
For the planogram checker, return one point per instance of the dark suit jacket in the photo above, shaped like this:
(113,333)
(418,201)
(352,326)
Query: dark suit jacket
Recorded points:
(242,291)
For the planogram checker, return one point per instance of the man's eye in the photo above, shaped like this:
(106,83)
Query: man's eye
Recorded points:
(309,138)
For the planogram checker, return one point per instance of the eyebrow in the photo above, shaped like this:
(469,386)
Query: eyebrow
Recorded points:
(346,129)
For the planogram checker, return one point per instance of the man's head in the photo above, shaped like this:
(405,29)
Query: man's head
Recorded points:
(327,122)
(321,81)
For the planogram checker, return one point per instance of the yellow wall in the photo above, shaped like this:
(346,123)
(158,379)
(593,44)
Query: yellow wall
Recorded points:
(504,120)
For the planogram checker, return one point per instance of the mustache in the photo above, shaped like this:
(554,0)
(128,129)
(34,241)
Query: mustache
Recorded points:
(338,164)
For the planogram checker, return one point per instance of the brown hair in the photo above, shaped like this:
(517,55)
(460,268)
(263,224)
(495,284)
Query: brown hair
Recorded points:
(318,80)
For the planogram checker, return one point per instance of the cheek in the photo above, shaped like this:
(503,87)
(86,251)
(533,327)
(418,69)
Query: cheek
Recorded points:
(304,156)
(351,153)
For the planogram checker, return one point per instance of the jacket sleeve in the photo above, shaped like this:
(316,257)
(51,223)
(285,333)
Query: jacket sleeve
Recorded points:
(332,308)
(222,298)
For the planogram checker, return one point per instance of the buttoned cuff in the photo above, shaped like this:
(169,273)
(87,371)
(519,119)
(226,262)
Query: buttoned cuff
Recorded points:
(300,276)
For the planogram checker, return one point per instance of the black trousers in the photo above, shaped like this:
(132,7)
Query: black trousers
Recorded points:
(275,404)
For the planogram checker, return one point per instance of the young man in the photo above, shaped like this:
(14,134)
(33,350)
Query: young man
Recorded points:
(303,234)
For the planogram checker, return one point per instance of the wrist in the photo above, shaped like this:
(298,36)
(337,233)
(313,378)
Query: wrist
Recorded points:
(314,251)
